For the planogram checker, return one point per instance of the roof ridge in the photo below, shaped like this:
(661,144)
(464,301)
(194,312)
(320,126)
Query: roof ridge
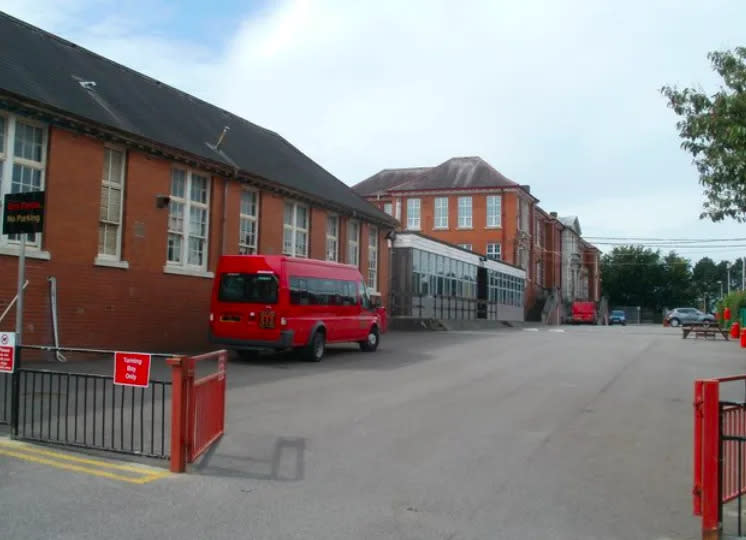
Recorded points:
(68,43)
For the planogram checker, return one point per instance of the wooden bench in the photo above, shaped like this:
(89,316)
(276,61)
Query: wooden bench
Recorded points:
(704,331)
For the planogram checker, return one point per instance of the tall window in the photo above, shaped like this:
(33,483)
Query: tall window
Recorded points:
(524,217)
(494,210)
(112,195)
(441,213)
(494,251)
(248,222)
(295,230)
(353,242)
(413,214)
(332,237)
(22,162)
(372,258)
(388,208)
(188,219)
(464,212)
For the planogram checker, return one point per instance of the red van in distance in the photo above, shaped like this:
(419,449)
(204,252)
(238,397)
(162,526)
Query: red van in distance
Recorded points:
(279,302)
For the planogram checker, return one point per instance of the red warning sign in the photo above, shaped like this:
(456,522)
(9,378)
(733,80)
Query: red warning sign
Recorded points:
(132,369)
(7,352)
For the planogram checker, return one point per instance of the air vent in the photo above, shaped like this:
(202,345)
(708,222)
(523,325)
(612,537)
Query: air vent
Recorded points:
(88,85)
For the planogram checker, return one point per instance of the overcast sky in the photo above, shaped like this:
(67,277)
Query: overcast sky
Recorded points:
(561,95)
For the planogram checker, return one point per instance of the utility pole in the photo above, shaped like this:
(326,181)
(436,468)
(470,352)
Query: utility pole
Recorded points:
(727,266)
(743,273)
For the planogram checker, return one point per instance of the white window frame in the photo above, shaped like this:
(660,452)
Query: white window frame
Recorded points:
(414,221)
(497,252)
(7,160)
(372,258)
(438,219)
(494,218)
(465,221)
(294,229)
(332,240)
(388,208)
(182,266)
(353,244)
(245,248)
(105,259)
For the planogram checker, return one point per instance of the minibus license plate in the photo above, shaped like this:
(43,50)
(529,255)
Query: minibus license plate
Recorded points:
(267,319)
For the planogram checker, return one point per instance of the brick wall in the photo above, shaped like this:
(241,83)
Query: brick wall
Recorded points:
(141,307)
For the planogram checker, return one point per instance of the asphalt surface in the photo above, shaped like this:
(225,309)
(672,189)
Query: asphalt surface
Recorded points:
(579,434)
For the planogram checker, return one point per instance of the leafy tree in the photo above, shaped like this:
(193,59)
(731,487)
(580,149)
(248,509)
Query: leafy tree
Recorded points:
(705,277)
(677,288)
(713,130)
(632,276)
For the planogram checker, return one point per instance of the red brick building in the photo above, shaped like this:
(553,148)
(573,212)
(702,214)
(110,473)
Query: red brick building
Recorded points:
(468,203)
(146,187)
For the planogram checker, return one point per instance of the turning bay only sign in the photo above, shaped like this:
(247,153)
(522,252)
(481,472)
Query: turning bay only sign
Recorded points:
(23,213)
(132,369)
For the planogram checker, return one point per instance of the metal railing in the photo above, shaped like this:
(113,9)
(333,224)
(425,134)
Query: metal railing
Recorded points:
(719,456)
(442,307)
(90,411)
(5,379)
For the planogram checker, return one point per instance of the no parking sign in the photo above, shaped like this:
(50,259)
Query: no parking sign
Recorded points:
(7,352)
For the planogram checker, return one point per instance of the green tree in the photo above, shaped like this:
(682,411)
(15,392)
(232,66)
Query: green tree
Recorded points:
(713,130)
(632,276)
(676,288)
(705,277)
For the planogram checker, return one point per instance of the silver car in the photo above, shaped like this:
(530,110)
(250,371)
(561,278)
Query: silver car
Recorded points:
(687,316)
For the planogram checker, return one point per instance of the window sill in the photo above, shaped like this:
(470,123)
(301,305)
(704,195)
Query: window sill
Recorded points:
(192,272)
(111,263)
(494,227)
(440,228)
(464,228)
(413,229)
(31,253)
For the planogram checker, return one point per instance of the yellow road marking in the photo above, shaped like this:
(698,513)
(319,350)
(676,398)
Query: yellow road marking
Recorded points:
(64,461)
(23,447)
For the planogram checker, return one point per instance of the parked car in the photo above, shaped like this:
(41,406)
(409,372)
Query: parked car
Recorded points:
(583,312)
(688,316)
(617,316)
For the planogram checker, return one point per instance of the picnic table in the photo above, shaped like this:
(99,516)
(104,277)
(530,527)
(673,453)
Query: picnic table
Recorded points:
(705,331)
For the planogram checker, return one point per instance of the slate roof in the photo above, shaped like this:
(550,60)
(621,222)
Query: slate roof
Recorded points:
(571,222)
(456,173)
(42,68)
(387,179)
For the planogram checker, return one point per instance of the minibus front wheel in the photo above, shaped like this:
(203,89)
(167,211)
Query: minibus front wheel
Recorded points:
(371,344)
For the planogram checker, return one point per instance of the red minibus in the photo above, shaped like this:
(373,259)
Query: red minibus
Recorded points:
(279,302)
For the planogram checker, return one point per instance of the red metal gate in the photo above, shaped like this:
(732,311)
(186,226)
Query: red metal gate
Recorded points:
(198,413)
(719,454)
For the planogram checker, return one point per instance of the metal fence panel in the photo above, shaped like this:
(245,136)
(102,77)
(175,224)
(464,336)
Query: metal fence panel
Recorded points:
(90,411)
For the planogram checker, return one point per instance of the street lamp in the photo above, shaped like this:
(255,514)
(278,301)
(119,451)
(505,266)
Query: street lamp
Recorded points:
(721,288)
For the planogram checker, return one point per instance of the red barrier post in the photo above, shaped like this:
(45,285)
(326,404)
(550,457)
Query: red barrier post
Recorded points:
(735,330)
(697,491)
(710,459)
(179,411)
(743,338)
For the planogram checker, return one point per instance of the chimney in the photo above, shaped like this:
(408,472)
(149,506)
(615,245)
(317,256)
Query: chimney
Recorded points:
(553,214)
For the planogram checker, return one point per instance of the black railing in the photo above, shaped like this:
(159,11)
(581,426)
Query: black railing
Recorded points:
(442,307)
(5,379)
(731,464)
(90,411)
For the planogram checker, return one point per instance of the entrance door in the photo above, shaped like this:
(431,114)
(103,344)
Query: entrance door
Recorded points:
(481,293)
